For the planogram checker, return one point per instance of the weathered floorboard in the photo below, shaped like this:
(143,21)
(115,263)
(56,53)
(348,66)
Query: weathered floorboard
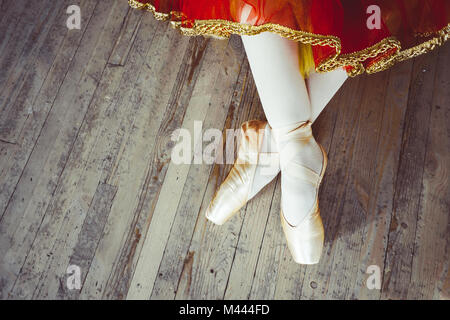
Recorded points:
(408,187)
(86,177)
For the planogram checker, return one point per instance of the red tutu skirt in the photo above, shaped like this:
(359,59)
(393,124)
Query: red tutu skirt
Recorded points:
(360,35)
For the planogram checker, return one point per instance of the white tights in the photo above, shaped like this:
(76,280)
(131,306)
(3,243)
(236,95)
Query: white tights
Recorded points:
(288,101)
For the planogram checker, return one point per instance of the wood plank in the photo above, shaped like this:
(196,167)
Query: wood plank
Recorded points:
(98,145)
(25,79)
(4,6)
(89,237)
(94,148)
(12,218)
(274,243)
(349,255)
(291,282)
(277,258)
(86,177)
(249,246)
(191,206)
(430,255)
(13,48)
(189,100)
(150,97)
(212,249)
(33,84)
(403,226)
(163,217)
(273,248)
(379,206)
(42,91)
(57,135)
(10,21)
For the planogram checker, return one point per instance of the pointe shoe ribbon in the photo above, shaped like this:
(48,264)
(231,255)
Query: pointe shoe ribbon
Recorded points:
(236,189)
(305,238)
(289,140)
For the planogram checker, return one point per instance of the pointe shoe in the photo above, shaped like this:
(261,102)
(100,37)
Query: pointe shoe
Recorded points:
(305,238)
(240,185)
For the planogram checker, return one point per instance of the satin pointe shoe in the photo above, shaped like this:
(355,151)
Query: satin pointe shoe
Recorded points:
(303,229)
(252,170)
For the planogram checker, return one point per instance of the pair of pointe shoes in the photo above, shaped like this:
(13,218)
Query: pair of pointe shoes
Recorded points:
(305,237)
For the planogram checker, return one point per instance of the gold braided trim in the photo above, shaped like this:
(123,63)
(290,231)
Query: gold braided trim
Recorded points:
(224,28)
(439,39)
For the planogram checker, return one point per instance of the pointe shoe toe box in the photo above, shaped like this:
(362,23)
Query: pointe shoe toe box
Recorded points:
(227,201)
(234,192)
(305,241)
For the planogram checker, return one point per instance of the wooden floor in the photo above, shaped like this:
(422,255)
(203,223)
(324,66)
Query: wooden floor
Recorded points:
(86,177)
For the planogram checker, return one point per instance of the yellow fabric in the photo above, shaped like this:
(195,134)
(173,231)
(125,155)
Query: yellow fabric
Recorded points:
(306,59)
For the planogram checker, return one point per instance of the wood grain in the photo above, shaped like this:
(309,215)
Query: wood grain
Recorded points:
(86,177)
